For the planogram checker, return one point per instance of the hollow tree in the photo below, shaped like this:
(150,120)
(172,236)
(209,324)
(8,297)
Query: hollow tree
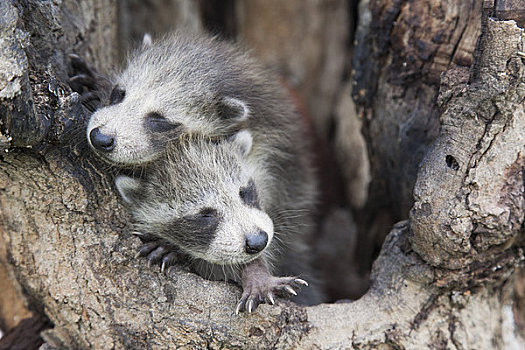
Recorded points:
(445,278)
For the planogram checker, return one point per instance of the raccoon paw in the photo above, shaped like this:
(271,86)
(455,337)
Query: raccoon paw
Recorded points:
(81,74)
(92,86)
(155,252)
(262,287)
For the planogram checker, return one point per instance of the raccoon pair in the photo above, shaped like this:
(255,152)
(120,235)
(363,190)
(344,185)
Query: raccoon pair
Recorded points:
(228,184)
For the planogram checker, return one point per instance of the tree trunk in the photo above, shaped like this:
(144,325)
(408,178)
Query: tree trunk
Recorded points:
(402,47)
(444,279)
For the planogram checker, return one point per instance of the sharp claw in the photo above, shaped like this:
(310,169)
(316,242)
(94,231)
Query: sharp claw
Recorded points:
(301,281)
(167,261)
(238,309)
(290,290)
(83,80)
(250,306)
(146,249)
(156,254)
(137,255)
(271,299)
(78,64)
(241,304)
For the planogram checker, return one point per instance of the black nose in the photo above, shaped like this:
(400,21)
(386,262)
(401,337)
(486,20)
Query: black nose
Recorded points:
(256,242)
(100,141)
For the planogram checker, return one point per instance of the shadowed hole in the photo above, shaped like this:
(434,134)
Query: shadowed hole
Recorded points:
(452,162)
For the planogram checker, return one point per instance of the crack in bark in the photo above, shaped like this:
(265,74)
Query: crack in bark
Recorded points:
(481,272)
(452,329)
(425,311)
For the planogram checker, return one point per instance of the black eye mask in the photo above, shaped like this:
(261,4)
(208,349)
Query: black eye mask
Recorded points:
(249,195)
(196,231)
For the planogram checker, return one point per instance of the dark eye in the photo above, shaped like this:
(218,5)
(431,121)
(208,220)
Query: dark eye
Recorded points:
(156,122)
(117,95)
(249,195)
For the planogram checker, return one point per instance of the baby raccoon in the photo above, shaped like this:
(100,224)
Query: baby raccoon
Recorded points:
(207,201)
(187,84)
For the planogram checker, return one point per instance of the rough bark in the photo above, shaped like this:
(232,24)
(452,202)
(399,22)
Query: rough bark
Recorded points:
(469,197)
(63,232)
(401,48)
(36,106)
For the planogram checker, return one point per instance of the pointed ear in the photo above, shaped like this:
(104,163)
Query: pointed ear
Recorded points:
(233,108)
(244,140)
(147,41)
(129,188)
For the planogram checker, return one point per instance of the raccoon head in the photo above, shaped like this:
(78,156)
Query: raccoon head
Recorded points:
(168,89)
(203,199)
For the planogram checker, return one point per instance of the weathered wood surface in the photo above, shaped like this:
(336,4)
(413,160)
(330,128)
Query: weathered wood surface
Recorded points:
(401,48)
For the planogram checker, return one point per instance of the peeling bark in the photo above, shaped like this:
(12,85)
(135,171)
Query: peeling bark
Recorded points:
(444,279)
